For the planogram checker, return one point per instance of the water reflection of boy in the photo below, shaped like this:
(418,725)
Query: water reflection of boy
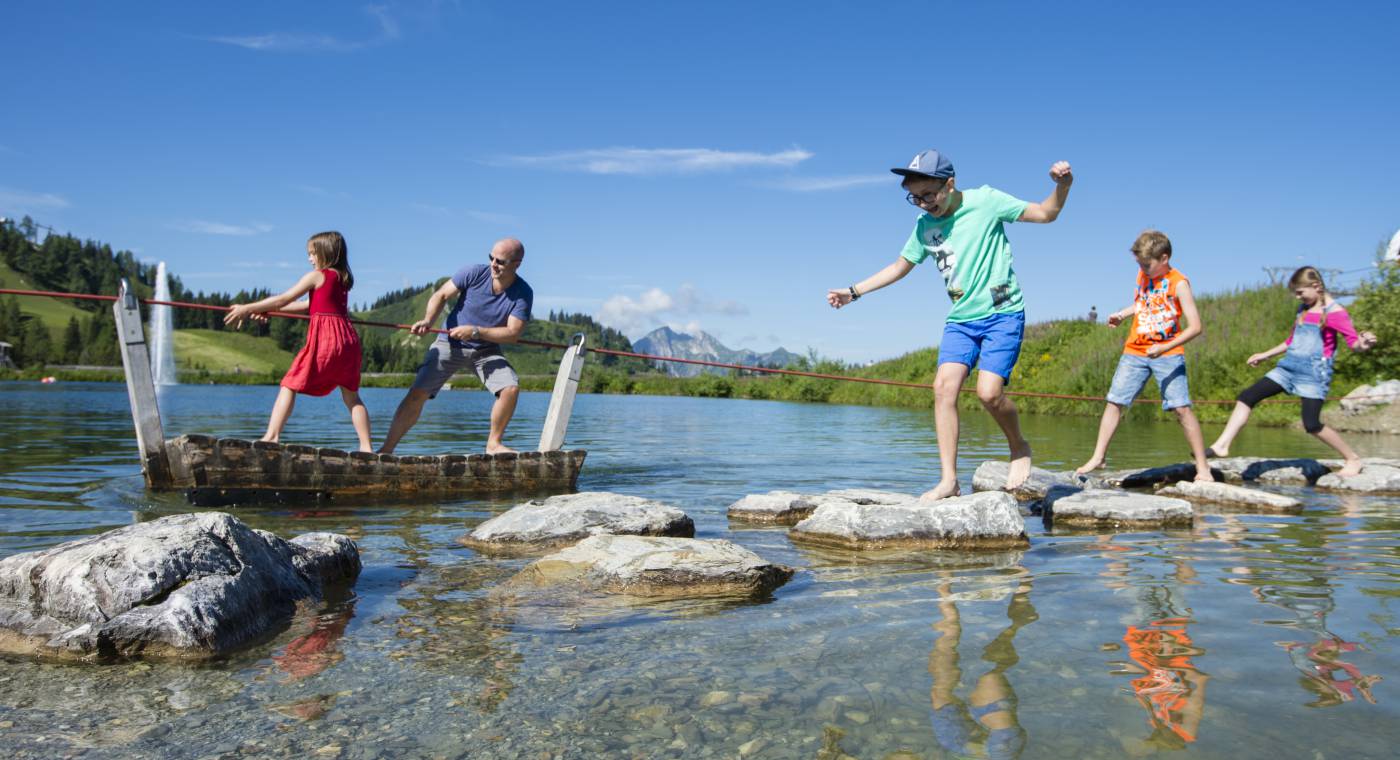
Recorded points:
(991,721)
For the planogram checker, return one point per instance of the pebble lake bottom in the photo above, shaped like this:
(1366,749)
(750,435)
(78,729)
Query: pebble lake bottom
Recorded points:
(1245,636)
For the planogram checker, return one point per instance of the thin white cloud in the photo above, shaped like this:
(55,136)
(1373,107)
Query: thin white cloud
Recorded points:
(635,316)
(321,191)
(316,43)
(643,161)
(822,184)
(21,201)
(201,227)
(492,217)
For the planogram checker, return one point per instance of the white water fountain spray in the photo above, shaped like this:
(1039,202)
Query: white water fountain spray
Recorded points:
(163,333)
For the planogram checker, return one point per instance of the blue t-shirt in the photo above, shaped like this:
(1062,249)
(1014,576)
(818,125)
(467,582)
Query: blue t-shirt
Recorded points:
(477,305)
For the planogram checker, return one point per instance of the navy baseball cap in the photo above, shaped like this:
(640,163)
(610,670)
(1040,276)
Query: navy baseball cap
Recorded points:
(930,164)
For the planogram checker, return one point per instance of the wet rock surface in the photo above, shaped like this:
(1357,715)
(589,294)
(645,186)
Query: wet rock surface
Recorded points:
(1374,478)
(186,586)
(656,566)
(991,476)
(990,521)
(570,518)
(1105,508)
(1232,495)
(1246,469)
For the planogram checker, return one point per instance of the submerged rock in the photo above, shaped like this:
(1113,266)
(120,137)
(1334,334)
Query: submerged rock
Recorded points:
(656,566)
(990,521)
(782,507)
(1374,478)
(1233,495)
(1103,508)
(185,586)
(991,476)
(1245,469)
(570,518)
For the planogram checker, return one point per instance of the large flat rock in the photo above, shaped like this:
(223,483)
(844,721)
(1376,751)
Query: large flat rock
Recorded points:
(656,566)
(570,518)
(186,586)
(991,476)
(1246,469)
(1374,478)
(1104,508)
(1230,495)
(791,507)
(982,521)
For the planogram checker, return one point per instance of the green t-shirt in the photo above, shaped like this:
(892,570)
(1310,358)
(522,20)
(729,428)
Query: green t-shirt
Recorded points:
(971,251)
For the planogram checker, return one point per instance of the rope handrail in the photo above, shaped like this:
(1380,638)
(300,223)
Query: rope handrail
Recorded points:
(635,355)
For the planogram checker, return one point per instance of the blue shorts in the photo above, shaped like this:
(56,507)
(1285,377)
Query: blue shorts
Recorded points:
(995,341)
(1133,371)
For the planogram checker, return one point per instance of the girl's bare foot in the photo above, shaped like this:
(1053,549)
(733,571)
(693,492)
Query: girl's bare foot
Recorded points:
(1216,451)
(1204,477)
(943,490)
(1352,467)
(1093,464)
(1020,469)
(499,450)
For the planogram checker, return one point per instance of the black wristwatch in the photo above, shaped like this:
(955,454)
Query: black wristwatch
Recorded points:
(854,295)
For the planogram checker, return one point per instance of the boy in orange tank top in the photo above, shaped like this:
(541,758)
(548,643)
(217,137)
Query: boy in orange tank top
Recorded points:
(1155,348)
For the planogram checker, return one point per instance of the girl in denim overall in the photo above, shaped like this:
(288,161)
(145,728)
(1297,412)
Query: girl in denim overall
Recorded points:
(1306,368)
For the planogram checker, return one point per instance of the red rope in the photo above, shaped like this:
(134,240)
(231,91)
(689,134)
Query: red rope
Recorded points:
(614,352)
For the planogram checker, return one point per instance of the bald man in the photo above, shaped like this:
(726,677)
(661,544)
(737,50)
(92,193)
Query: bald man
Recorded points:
(492,307)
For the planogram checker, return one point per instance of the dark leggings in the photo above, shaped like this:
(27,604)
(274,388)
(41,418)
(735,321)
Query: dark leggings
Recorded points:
(1312,407)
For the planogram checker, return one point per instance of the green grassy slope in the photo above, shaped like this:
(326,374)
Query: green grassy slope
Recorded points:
(221,351)
(53,312)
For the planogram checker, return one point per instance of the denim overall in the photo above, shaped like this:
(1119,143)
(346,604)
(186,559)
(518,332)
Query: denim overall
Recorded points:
(1304,371)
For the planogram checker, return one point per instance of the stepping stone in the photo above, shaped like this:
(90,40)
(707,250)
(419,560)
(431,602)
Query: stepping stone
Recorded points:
(982,521)
(570,518)
(656,566)
(991,476)
(1153,475)
(1245,469)
(1232,495)
(1103,508)
(1373,478)
(193,586)
(790,507)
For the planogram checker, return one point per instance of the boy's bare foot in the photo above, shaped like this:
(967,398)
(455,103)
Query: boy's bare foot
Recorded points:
(1089,466)
(1352,467)
(943,490)
(1020,468)
(500,449)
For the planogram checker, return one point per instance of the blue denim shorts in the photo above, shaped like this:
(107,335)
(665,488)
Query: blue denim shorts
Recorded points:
(995,341)
(1132,373)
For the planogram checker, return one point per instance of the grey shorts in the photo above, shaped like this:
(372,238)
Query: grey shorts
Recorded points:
(443,361)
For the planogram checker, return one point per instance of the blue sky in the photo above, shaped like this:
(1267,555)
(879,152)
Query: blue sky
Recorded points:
(712,165)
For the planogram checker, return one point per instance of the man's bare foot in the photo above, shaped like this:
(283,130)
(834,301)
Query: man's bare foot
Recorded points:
(943,490)
(500,449)
(1352,467)
(1089,466)
(1020,468)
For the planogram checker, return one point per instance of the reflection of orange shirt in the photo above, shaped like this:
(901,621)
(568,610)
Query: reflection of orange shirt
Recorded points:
(1156,313)
(1164,650)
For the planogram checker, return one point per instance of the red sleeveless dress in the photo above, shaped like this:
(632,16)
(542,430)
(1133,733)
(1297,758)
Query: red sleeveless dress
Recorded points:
(332,354)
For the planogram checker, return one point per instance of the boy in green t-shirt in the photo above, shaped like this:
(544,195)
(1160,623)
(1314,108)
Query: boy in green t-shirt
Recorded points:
(963,232)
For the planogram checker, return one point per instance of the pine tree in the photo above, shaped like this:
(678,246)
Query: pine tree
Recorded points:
(73,341)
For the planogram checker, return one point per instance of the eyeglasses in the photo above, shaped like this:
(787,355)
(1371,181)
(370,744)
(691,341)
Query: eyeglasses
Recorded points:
(501,262)
(915,200)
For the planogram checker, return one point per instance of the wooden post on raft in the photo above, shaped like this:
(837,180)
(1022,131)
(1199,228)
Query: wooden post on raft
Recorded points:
(561,404)
(141,388)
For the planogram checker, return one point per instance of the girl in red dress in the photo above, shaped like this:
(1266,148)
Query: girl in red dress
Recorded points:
(332,355)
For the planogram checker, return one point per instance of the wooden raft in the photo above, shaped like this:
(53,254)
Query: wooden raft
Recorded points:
(216,471)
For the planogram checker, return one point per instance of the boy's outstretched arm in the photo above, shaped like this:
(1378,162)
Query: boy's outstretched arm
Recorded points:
(839,297)
(1048,210)
(1193,322)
